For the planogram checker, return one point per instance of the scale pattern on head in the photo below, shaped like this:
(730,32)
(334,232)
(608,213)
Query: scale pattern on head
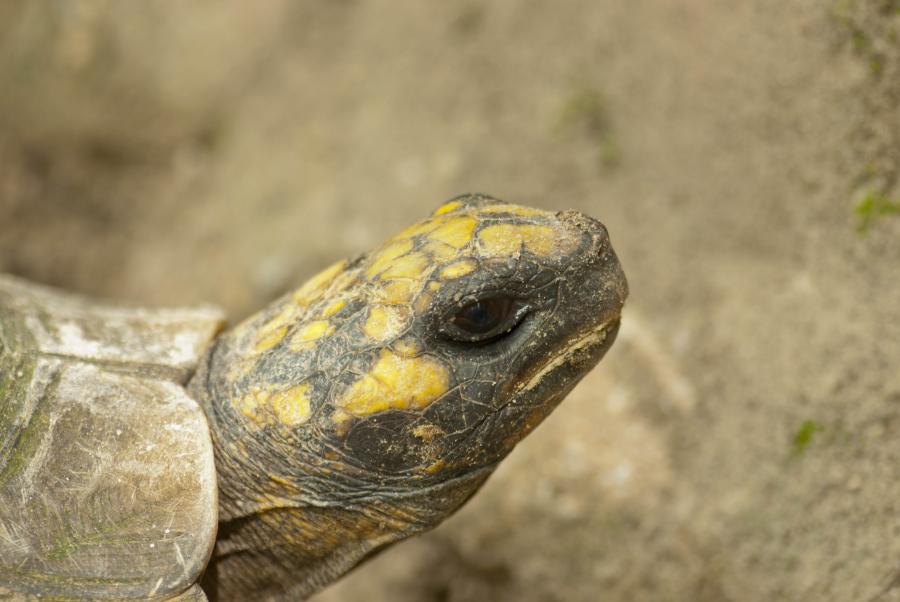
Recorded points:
(374,362)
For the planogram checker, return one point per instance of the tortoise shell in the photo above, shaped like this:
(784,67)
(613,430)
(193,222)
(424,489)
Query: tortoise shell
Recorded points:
(106,464)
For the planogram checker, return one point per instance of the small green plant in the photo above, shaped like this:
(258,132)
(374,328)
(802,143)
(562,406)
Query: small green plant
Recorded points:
(873,206)
(804,436)
(867,28)
(587,110)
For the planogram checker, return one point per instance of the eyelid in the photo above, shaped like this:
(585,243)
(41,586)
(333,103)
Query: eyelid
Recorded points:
(454,333)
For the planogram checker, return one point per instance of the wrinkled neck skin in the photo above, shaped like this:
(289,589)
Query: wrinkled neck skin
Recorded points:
(292,521)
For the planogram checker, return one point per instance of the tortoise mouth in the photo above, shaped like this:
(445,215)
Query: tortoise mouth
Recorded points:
(534,397)
(580,353)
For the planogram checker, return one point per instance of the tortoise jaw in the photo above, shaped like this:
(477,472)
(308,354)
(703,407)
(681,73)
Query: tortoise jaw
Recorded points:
(533,398)
(587,347)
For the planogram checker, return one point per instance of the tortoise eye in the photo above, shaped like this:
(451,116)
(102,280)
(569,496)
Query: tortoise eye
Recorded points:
(485,319)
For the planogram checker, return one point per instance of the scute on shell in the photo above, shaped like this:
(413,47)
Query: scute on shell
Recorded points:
(107,479)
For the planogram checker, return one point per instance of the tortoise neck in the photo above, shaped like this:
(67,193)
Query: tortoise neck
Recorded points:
(271,543)
(291,522)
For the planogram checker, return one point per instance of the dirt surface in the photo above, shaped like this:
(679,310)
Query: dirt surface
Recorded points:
(741,442)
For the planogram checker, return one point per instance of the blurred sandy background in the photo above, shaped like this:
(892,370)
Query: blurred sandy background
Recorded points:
(741,442)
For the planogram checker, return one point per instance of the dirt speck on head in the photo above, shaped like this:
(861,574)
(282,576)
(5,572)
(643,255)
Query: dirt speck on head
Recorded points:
(739,442)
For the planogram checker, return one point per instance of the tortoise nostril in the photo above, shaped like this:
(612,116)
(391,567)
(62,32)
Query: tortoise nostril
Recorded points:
(589,225)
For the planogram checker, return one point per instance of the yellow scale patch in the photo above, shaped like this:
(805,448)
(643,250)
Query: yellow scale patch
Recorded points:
(412,266)
(274,331)
(385,322)
(397,292)
(316,286)
(342,281)
(454,231)
(506,240)
(267,405)
(271,333)
(333,308)
(388,254)
(440,252)
(447,207)
(404,269)
(269,337)
(395,382)
(423,227)
(458,269)
(515,210)
(309,333)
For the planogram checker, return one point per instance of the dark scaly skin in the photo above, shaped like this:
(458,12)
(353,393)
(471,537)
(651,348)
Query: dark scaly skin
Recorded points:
(346,417)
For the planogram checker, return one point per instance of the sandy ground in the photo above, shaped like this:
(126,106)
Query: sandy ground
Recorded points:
(741,442)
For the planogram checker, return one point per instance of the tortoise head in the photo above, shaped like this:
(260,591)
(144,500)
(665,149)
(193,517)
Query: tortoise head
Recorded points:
(393,383)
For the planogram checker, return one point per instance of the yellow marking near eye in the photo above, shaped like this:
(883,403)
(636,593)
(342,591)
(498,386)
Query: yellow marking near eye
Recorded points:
(385,322)
(460,268)
(455,231)
(315,287)
(270,337)
(515,210)
(340,418)
(333,308)
(395,382)
(265,406)
(412,265)
(397,292)
(388,254)
(447,207)
(425,297)
(506,240)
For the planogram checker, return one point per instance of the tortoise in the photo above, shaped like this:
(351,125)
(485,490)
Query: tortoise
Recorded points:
(150,454)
